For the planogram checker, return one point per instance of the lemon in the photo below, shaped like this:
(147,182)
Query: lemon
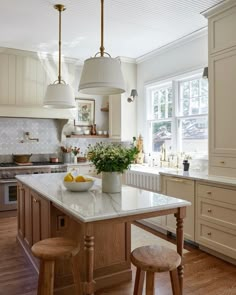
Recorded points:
(68,178)
(80,178)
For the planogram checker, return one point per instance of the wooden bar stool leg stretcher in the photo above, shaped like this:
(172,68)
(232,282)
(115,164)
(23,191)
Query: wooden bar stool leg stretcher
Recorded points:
(152,259)
(48,251)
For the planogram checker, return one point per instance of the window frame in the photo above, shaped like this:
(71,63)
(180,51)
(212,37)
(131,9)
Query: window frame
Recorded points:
(176,117)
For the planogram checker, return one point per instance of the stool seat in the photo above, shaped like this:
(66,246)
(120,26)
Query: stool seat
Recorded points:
(152,259)
(48,251)
(54,248)
(155,258)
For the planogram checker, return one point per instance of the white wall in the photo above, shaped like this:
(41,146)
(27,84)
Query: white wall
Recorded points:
(181,58)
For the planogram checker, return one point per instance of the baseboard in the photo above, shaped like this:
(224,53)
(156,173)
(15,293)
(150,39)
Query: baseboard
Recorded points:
(218,255)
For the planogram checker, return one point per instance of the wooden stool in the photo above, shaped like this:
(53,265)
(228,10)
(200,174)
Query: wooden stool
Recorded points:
(155,259)
(48,251)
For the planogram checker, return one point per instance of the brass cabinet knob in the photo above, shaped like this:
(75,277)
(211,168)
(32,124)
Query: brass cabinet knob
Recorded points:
(35,200)
(209,210)
(209,193)
(209,234)
(222,162)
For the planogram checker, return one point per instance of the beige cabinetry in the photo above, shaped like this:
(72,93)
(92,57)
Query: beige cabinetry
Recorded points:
(222,88)
(122,118)
(122,114)
(183,189)
(215,218)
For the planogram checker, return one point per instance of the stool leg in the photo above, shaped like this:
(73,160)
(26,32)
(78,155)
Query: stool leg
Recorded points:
(46,277)
(76,274)
(138,285)
(175,282)
(150,283)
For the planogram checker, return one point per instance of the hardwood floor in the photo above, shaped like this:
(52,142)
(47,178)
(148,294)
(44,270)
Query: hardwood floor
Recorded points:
(204,274)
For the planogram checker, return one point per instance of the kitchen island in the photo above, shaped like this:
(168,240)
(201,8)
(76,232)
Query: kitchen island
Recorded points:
(99,222)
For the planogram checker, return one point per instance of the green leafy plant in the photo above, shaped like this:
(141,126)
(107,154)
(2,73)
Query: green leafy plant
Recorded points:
(110,157)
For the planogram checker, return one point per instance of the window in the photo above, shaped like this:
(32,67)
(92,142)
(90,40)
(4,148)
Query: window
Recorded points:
(178,115)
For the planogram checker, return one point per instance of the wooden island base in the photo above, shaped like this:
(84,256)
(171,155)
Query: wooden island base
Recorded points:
(38,219)
(98,222)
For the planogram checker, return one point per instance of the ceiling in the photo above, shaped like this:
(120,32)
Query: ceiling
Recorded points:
(132,27)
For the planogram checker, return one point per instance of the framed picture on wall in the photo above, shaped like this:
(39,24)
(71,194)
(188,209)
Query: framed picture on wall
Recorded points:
(85,112)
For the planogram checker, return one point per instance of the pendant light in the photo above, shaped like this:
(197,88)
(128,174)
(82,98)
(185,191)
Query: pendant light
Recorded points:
(102,75)
(59,95)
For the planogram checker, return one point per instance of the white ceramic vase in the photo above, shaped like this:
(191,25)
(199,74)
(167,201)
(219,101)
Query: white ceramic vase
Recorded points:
(111,182)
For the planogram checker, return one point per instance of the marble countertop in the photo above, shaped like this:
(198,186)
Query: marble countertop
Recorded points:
(94,205)
(200,177)
(188,174)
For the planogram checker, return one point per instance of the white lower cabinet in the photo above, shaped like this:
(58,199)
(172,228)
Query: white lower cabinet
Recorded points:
(216,218)
(183,189)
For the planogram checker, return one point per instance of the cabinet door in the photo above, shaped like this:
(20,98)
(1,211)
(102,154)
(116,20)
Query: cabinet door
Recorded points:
(21,210)
(27,218)
(115,116)
(222,75)
(183,189)
(40,218)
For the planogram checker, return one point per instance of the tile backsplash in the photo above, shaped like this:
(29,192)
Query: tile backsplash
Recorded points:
(14,141)
(48,132)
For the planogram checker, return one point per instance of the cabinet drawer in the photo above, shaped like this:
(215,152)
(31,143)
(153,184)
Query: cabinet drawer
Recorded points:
(216,193)
(217,212)
(217,238)
(221,30)
(223,162)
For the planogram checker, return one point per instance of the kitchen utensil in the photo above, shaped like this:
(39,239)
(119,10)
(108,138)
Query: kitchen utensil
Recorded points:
(21,158)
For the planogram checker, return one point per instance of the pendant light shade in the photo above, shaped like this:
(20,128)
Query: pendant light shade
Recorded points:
(59,95)
(102,75)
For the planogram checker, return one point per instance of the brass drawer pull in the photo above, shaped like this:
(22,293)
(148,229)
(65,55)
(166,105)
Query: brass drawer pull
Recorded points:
(209,193)
(209,234)
(209,210)
(177,180)
(222,162)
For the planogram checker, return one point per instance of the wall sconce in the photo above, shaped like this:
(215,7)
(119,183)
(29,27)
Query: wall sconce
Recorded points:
(205,73)
(132,96)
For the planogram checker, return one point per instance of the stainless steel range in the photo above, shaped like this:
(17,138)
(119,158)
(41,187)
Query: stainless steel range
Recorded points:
(8,183)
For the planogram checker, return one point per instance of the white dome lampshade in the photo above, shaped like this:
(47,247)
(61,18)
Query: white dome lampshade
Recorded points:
(59,96)
(102,76)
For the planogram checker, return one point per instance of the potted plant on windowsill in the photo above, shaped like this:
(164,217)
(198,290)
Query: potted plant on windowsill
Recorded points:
(112,160)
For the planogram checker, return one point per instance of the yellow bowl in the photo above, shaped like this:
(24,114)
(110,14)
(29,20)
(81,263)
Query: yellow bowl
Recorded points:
(78,186)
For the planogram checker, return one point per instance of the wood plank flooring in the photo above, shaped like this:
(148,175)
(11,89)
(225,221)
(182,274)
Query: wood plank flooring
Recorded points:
(204,274)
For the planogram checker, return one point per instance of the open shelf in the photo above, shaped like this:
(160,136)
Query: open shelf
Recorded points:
(87,136)
(104,109)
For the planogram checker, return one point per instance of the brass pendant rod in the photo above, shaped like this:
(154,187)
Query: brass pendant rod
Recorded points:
(102,49)
(60,8)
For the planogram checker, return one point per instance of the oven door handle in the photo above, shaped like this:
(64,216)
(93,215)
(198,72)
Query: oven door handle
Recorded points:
(2,181)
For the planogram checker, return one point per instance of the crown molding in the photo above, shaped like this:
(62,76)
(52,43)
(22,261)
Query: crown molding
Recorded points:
(219,8)
(127,59)
(40,55)
(177,43)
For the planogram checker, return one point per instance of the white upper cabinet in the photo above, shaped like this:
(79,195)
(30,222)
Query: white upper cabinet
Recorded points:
(222,26)
(122,114)
(222,89)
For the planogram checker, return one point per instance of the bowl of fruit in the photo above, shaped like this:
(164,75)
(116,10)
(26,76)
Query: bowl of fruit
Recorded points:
(79,183)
